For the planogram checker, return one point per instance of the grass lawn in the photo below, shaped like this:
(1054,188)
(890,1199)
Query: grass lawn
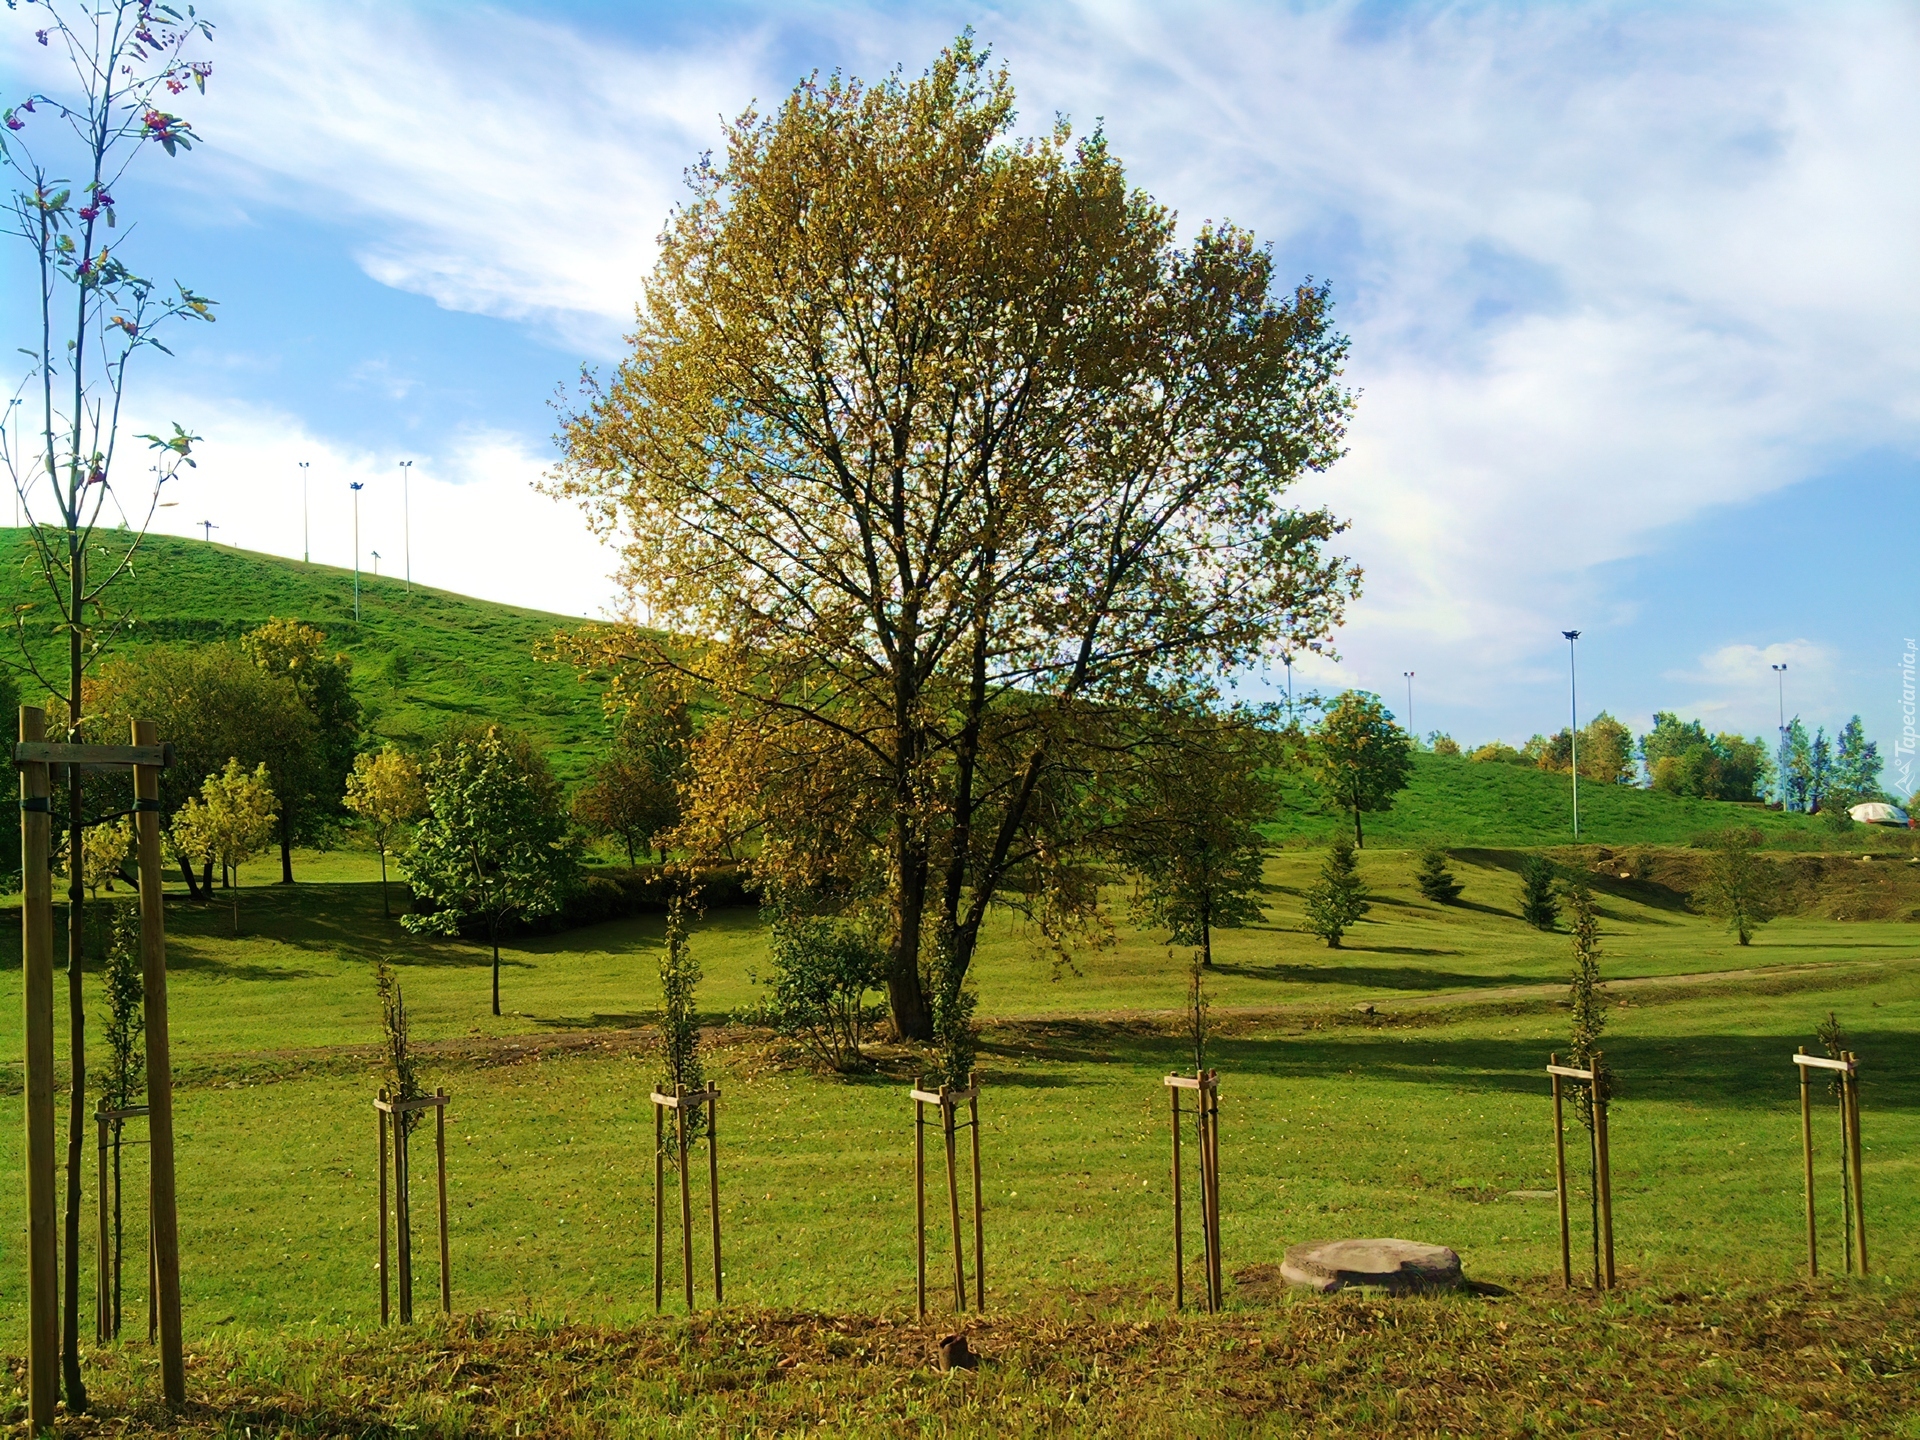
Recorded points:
(1418,1120)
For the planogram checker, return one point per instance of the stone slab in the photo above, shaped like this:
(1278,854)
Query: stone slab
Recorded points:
(1399,1267)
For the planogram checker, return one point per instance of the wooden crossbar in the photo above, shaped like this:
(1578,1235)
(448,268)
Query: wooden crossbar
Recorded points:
(1821,1062)
(690,1097)
(951,1097)
(425,1102)
(1188,1082)
(1567,1072)
(129,1113)
(91,757)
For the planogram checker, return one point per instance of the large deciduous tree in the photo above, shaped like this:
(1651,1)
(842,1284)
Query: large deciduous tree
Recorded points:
(952,468)
(1360,758)
(494,843)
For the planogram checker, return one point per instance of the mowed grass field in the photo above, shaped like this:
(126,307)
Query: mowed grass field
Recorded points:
(1420,1119)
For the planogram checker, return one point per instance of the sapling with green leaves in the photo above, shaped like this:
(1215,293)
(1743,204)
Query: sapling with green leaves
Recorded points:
(125,1080)
(679,1015)
(1435,879)
(956,1042)
(1589,1016)
(1197,1007)
(1833,1039)
(1739,888)
(397,1069)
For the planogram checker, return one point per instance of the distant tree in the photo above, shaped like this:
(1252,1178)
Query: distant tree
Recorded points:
(387,793)
(1819,769)
(231,821)
(1740,887)
(1192,837)
(1682,759)
(1796,767)
(1443,744)
(1338,899)
(1435,880)
(212,704)
(1539,905)
(1856,764)
(494,843)
(1746,772)
(1498,752)
(823,971)
(311,789)
(1606,751)
(1671,737)
(103,851)
(1359,758)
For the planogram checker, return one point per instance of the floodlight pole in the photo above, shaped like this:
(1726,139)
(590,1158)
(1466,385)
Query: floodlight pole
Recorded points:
(1780,684)
(306,526)
(376,564)
(1287,657)
(1410,730)
(406,520)
(357,486)
(207,527)
(1573,730)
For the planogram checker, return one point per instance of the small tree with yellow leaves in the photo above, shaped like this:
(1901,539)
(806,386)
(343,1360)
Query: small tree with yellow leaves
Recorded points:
(386,792)
(231,821)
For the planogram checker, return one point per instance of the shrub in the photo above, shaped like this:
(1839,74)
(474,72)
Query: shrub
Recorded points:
(1539,906)
(1339,898)
(1435,880)
(954,1038)
(1739,888)
(823,971)
(1836,808)
(1443,744)
(1498,752)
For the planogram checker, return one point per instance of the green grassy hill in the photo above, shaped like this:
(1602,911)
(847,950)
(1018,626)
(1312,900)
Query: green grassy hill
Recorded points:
(429,657)
(1458,802)
(421,659)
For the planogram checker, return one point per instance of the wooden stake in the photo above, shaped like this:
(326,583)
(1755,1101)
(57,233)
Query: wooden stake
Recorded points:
(659,1205)
(386,1309)
(36,920)
(1560,1177)
(1851,1090)
(103,1266)
(1605,1170)
(979,1255)
(1211,1098)
(165,1220)
(713,1183)
(440,1169)
(1806,1155)
(947,1117)
(920,1202)
(686,1199)
(403,1212)
(1179,1236)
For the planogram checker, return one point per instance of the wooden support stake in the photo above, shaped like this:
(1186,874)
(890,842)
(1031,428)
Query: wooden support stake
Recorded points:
(165,1221)
(1605,1171)
(686,1199)
(713,1183)
(1560,1175)
(659,1205)
(979,1254)
(1179,1233)
(403,1213)
(386,1309)
(953,1199)
(1850,1090)
(1212,1098)
(920,1200)
(440,1169)
(36,920)
(103,1264)
(1806,1155)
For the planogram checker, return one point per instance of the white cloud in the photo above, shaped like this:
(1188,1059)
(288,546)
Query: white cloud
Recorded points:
(1739,679)
(477,524)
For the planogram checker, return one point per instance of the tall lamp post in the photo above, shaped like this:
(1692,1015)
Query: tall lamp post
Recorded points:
(356,551)
(1410,730)
(306,526)
(1780,684)
(1287,657)
(1573,731)
(406,521)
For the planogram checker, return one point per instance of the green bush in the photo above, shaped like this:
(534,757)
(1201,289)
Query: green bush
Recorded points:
(1435,880)
(823,971)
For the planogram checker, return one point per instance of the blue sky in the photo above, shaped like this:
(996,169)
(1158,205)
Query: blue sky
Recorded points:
(1631,292)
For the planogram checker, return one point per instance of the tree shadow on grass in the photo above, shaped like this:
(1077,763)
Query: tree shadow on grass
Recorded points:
(1743,1072)
(1375,977)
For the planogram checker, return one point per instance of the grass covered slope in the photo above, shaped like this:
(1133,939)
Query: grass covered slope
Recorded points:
(1454,801)
(420,659)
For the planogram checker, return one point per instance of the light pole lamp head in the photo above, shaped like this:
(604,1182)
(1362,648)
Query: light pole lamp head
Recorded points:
(1571,634)
(357,485)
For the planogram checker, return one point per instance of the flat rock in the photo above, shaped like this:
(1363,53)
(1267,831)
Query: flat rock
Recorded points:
(1396,1266)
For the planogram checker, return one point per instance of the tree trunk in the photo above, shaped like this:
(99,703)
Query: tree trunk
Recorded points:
(193,885)
(286,844)
(906,997)
(385,912)
(1359,840)
(493,937)
(206,881)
